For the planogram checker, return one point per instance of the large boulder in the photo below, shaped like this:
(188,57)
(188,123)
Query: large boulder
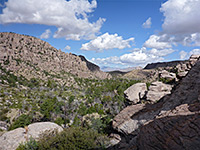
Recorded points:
(11,140)
(168,76)
(123,122)
(157,90)
(182,74)
(135,93)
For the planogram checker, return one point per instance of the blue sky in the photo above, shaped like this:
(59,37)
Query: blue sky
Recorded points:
(110,33)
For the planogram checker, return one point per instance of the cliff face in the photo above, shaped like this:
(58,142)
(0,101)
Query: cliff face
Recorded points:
(91,66)
(171,123)
(31,57)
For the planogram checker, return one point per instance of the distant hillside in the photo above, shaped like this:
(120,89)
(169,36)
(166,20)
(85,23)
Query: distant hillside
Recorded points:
(112,69)
(33,58)
(164,64)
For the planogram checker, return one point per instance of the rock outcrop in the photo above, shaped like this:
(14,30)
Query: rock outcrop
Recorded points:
(171,123)
(123,122)
(169,76)
(157,90)
(135,93)
(139,92)
(11,140)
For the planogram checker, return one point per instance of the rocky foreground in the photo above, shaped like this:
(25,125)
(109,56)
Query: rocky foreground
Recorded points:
(173,122)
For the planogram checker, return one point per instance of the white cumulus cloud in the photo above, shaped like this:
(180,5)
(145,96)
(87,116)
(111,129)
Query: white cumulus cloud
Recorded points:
(138,57)
(157,42)
(186,55)
(109,61)
(67,47)
(70,17)
(195,52)
(181,23)
(107,41)
(46,34)
(181,16)
(147,23)
(183,55)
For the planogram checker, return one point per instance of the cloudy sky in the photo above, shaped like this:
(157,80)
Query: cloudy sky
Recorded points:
(110,33)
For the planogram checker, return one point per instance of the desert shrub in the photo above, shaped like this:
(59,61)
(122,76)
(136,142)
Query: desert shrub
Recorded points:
(97,108)
(76,122)
(167,81)
(34,82)
(12,79)
(96,124)
(21,121)
(82,109)
(59,121)
(29,145)
(106,99)
(50,106)
(71,99)
(148,85)
(51,84)
(74,138)
(3,114)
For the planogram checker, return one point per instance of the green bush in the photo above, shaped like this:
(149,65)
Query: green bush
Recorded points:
(96,124)
(51,84)
(74,138)
(106,99)
(76,122)
(82,109)
(71,99)
(30,145)
(3,114)
(33,83)
(21,121)
(148,85)
(167,81)
(59,121)
(50,106)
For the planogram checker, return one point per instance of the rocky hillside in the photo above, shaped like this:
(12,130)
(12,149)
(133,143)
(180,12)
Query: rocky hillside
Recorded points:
(172,122)
(33,58)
